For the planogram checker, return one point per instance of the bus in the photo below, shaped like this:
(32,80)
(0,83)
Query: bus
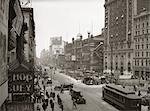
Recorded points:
(123,99)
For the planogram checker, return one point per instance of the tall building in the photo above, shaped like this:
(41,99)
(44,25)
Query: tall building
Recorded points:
(56,48)
(141,60)
(4,8)
(118,46)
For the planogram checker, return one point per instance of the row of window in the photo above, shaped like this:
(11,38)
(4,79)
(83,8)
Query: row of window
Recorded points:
(142,46)
(142,54)
(141,32)
(142,62)
(138,26)
(142,39)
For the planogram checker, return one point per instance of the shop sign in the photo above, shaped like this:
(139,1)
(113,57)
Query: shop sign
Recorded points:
(18,20)
(21,82)
(20,107)
(4,7)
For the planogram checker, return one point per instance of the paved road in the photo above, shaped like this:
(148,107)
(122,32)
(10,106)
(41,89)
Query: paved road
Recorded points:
(92,94)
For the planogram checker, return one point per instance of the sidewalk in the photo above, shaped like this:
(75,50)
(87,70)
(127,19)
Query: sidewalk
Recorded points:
(56,106)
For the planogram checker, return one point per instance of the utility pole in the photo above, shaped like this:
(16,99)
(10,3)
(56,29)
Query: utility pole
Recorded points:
(111,47)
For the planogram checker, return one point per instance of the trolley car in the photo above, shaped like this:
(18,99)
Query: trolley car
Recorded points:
(123,99)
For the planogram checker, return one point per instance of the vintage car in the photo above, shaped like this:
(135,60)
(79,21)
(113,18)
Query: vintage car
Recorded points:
(77,96)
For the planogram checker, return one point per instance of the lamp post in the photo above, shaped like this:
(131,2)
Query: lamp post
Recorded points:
(111,67)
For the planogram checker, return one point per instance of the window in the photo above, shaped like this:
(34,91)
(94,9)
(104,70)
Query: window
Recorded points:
(128,55)
(146,54)
(146,62)
(142,62)
(143,31)
(143,25)
(147,46)
(135,62)
(142,46)
(147,31)
(147,23)
(142,54)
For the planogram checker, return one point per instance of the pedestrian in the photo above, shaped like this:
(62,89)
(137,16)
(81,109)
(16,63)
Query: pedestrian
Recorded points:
(61,107)
(139,93)
(58,97)
(44,106)
(47,94)
(38,108)
(53,95)
(74,103)
(52,104)
(46,100)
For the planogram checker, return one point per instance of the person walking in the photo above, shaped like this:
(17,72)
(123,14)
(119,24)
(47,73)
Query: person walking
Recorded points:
(44,106)
(52,104)
(61,107)
(38,108)
(74,103)
(53,95)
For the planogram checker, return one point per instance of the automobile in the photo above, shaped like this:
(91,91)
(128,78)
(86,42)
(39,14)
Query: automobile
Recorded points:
(77,96)
(145,100)
(57,88)
(67,86)
(80,100)
(61,71)
(49,82)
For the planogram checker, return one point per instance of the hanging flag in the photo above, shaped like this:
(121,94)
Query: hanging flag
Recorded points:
(27,2)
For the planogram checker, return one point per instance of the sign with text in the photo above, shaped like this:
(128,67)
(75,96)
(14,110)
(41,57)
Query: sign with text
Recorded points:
(20,107)
(21,82)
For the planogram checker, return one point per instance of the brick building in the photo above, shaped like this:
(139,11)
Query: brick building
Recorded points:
(141,60)
(85,55)
(118,47)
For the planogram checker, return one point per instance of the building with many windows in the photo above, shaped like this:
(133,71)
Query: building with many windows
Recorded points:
(85,54)
(141,60)
(118,32)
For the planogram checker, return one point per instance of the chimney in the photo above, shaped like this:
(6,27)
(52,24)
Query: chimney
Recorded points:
(73,40)
(88,34)
(80,37)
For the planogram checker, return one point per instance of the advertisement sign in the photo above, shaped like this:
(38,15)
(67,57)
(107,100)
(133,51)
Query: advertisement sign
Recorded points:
(4,5)
(56,40)
(18,20)
(20,107)
(21,82)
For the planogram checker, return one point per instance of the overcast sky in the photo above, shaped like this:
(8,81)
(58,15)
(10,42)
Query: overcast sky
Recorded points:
(66,18)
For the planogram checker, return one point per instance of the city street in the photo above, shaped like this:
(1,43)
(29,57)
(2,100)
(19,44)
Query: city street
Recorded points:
(92,94)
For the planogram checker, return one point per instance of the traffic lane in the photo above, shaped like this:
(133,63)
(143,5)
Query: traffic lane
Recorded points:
(92,95)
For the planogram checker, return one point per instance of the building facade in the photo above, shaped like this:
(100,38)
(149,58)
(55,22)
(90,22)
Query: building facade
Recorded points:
(141,60)
(29,35)
(118,32)
(85,54)
(4,10)
(56,48)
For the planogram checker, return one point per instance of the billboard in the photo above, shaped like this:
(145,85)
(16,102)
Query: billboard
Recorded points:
(4,7)
(56,40)
(21,82)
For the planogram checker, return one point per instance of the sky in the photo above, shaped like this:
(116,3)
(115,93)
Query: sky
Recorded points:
(66,18)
